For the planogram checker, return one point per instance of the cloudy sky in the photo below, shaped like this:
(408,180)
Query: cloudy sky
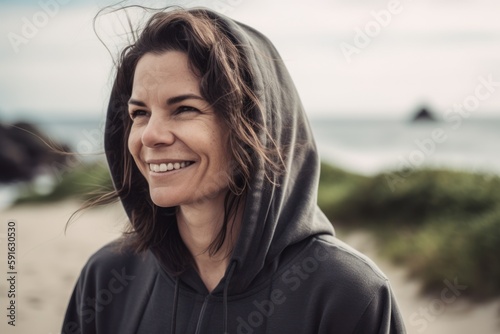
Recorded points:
(361,59)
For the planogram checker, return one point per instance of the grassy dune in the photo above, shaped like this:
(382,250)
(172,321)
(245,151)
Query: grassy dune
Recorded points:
(439,224)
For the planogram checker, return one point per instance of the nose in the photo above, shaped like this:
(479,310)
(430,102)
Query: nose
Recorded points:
(158,132)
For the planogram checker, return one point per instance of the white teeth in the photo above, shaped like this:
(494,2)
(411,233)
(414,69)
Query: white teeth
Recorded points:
(164,167)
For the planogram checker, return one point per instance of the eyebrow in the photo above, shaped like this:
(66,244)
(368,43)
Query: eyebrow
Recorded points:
(170,101)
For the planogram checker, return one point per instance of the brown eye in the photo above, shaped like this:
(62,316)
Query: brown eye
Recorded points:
(138,113)
(184,109)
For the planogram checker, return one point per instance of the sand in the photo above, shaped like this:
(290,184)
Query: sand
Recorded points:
(50,261)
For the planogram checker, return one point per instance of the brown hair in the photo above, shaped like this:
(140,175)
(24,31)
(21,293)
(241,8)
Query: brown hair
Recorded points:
(218,58)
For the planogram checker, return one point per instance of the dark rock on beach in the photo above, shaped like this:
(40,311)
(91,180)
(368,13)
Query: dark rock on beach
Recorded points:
(26,151)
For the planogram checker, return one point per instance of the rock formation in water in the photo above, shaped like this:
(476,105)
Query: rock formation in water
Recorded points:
(423,114)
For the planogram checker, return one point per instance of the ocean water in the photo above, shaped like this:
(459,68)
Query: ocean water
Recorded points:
(375,146)
(363,146)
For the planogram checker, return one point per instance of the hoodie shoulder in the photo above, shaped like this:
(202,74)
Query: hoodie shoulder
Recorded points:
(112,278)
(112,254)
(348,259)
(116,259)
(350,289)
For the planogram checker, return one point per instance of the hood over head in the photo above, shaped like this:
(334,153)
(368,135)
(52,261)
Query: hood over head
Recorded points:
(278,213)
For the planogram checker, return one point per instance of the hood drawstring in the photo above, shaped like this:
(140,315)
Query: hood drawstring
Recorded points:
(226,285)
(176,301)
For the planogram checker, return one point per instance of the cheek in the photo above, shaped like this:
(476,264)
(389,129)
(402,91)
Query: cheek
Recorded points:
(134,143)
(225,157)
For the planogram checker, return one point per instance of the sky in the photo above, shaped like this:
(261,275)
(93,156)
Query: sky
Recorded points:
(348,59)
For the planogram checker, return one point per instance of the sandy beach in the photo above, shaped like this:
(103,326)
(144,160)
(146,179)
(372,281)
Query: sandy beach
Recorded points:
(49,262)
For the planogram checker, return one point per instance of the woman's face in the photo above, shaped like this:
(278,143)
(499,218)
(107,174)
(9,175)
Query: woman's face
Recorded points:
(177,141)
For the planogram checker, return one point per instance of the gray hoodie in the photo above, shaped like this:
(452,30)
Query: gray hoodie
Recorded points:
(288,272)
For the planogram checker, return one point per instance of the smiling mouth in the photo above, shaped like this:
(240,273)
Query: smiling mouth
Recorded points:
(167,167)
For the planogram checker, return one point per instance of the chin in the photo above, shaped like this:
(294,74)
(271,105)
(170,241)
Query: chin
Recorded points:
(160,203)
(161,199)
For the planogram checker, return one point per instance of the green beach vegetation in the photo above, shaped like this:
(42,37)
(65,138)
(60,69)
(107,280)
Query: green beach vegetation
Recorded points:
(439,224)
(82,182)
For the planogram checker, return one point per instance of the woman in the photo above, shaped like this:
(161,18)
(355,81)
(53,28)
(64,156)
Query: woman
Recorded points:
(213,159)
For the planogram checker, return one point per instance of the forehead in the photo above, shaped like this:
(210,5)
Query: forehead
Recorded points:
(167,71)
